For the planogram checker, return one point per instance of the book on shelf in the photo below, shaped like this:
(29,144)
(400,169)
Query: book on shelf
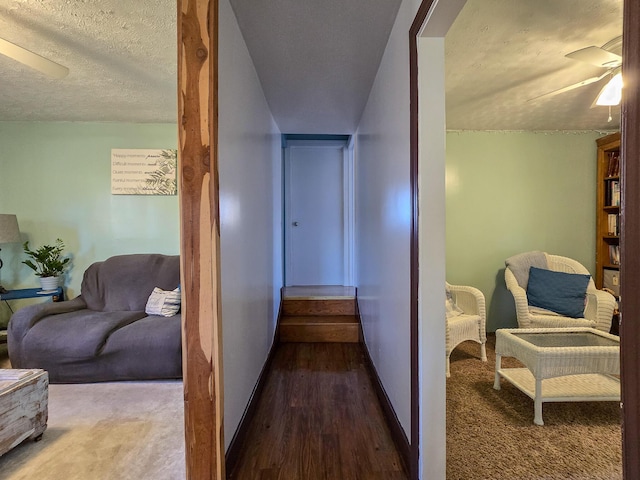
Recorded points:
(614,254)
(612,224)
(612,193)
(613,166)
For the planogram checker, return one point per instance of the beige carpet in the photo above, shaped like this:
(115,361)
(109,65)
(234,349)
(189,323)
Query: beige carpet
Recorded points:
(491,435)
(106,431)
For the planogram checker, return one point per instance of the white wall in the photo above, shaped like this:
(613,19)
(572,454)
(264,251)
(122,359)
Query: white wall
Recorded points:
(250,189)
(383,228)
(383,219)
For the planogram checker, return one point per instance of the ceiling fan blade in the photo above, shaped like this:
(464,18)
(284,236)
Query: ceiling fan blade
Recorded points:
(32,60)
(588,81)
(596,56)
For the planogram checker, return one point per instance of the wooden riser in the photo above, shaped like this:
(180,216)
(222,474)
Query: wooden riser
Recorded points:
(319,307)
(323,328)
(339,333)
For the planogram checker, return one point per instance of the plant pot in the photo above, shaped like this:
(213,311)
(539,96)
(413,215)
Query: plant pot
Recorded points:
(49,283)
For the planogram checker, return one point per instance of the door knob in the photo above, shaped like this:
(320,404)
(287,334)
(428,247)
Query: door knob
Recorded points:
(295,224)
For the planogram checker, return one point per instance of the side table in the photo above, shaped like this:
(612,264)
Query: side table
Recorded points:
(56,295)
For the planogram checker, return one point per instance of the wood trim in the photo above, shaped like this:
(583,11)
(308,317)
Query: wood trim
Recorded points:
(418,21)
(398,435)
(240,437)
(630,241)
(200,238)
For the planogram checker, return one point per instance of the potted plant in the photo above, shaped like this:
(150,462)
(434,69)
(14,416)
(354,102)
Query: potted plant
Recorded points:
(47,262)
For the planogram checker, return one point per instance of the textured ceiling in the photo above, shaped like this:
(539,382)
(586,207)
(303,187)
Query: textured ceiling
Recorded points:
(502,53)
(316,61)
(122,58)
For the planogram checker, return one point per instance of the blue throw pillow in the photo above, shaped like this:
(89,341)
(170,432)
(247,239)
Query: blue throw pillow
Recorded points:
(563,293)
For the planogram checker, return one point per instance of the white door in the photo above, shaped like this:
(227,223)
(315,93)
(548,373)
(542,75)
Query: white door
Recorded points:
(314,215)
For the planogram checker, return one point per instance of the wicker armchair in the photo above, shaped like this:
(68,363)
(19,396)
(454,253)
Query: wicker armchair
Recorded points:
(598,310)
(467,324)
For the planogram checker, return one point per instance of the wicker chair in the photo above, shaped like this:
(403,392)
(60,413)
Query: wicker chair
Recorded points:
(470,323)
(598,310)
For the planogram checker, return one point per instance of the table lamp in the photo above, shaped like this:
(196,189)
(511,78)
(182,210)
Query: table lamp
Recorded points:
(9,232)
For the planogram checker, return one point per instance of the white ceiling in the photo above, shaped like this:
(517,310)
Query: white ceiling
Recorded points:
(122,58)
(502,53)
(316,61)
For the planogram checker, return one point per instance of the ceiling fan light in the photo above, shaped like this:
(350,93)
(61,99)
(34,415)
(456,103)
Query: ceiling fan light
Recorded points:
(611,93)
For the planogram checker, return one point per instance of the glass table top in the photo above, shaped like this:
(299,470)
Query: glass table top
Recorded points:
(567,339)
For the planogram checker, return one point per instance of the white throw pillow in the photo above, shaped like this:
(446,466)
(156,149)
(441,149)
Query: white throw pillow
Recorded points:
(163,302)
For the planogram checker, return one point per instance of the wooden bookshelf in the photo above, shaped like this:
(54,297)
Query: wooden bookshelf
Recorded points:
(608,213)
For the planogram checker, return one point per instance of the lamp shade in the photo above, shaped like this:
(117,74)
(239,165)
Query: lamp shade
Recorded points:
(611,93)
(9,231)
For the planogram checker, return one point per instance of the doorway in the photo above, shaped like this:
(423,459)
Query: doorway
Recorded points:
(318,193)
(629,234)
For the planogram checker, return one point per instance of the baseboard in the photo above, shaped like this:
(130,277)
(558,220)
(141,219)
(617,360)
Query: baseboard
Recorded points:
(397,432)
(235,447)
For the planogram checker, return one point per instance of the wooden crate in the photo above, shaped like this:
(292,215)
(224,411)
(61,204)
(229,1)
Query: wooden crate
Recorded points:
(24,396)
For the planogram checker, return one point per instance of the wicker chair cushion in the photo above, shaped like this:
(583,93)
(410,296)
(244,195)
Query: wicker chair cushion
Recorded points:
(560,292)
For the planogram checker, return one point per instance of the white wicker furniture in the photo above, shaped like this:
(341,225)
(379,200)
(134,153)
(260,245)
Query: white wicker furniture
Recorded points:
(597,314)
(470,325)
(584,359)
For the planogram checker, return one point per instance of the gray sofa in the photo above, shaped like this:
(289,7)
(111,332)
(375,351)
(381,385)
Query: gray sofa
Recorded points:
(104,334)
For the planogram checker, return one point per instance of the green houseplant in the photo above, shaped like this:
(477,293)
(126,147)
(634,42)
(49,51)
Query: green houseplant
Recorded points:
(47,262)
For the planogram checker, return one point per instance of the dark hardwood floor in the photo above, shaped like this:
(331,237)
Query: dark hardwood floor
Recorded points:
(318,418)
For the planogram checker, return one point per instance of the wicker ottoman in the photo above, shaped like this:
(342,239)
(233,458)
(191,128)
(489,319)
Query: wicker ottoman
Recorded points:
(24,396)
(563,364)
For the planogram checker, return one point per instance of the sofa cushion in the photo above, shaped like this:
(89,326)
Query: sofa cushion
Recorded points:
(72,336)
(124,282)
(149,348)
(560,292)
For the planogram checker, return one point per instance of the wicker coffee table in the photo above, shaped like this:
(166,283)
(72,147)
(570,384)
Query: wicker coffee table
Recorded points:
(562,364)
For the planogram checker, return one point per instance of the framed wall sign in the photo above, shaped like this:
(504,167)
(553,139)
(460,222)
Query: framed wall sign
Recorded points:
(144,171)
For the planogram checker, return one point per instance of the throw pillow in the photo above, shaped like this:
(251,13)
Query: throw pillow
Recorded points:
(163,302)
(560,292)
(451,309)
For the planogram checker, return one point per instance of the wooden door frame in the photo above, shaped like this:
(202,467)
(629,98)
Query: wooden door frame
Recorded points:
(421,15)
(630,241)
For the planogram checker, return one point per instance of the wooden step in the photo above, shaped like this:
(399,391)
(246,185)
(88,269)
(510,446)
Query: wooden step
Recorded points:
(316,306)
(320,328)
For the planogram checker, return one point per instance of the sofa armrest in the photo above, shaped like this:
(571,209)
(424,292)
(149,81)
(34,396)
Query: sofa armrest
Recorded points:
(25,318)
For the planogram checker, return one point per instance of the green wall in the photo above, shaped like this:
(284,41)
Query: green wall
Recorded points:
(56,178)
(512,192)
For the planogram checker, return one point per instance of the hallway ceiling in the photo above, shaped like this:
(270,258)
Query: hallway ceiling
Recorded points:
(316,61)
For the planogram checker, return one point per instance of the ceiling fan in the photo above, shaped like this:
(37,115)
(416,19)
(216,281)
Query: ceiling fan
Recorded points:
(32,60)
(603,57)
